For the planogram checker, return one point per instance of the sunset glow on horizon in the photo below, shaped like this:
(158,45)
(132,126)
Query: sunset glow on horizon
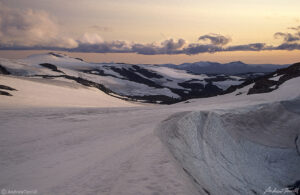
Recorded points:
(132,31)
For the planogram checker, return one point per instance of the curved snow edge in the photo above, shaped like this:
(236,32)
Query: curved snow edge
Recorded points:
(239,151)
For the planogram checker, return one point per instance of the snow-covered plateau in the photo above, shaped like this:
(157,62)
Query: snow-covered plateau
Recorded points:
(135,82)
(62,135)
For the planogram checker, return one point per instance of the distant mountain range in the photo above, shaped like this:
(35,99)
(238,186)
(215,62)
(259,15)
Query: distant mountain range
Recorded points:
(164,84)
(232,68)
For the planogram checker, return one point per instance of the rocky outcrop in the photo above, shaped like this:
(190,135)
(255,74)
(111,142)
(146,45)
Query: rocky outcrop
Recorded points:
(5,93)
(4,89)
(3,70)
(7,88)
(51,67)
(272,81)
(269,82)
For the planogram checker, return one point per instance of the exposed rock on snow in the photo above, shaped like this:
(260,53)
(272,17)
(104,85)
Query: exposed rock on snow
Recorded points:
(51,67)
(266,83)
(147,83)
(269,82)
(58,92)
(3,70)
(6,88)
(5,93)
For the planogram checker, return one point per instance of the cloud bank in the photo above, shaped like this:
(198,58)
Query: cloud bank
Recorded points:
(215,39)
(36,30)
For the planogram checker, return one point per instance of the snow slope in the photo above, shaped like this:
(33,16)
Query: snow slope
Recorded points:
(59,92)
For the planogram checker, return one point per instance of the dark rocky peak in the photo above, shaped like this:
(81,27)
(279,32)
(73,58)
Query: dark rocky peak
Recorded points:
(269,82)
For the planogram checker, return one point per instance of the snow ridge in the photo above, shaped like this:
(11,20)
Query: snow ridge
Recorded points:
(237,151)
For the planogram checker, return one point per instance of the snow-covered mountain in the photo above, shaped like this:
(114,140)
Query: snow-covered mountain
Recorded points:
(232,68)
(269,82)
(147,83)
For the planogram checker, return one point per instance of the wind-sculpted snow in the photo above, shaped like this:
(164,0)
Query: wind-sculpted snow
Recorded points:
(249,150)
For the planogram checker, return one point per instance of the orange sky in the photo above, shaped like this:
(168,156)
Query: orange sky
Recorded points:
(67,24)
(262,57)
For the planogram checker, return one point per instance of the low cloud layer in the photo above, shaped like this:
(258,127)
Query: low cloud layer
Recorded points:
(291,40)
(216,39)
(288,37)
(29,29)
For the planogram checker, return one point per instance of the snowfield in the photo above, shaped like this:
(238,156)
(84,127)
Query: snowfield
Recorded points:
(59,137)
(59,92)
(147,83)
(88,151)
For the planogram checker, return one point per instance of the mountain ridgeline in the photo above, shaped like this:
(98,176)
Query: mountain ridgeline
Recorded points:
(163,84)
(232,68)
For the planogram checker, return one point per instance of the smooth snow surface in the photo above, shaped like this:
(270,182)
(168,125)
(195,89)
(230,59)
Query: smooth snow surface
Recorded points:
(59,92)
(179,74)
(276,78)
(229,144)
(87,151)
